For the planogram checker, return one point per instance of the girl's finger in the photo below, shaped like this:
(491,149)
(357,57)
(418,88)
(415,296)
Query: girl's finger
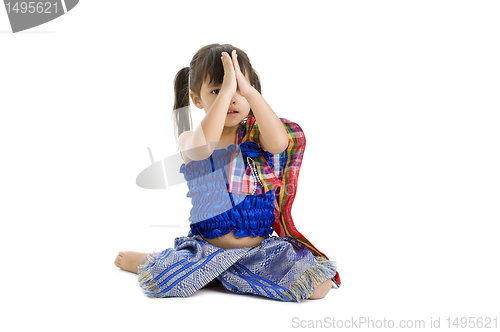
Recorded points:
(226,62)
(235,61)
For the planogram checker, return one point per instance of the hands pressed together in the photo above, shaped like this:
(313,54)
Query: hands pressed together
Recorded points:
(273,136)
(233,77)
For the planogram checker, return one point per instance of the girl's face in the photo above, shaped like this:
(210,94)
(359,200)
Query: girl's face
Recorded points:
(208,94)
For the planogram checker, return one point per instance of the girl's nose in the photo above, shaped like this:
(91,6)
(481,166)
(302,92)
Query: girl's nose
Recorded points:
(235,96)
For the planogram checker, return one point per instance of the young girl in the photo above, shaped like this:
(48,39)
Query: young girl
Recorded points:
(241,165)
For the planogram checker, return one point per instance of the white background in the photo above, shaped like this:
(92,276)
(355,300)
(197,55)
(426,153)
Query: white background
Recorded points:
(399,101)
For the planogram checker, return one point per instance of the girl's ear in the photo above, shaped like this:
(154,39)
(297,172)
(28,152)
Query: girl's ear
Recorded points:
(196,99)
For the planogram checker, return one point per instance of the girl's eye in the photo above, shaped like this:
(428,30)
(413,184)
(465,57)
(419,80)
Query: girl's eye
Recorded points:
(216,91)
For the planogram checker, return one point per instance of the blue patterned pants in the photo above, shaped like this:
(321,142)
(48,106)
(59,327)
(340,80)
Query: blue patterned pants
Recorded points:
(280,268)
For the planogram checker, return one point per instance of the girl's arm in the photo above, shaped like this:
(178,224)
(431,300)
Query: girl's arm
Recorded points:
(204,139)
(200,144)
(272,134)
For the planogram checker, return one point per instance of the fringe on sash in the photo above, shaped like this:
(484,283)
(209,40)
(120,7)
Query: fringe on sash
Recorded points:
(312,278)
(146,281)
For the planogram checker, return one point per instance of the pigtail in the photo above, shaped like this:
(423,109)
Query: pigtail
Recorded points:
(181,114)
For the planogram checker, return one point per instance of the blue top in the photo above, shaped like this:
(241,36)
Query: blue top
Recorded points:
(216,211)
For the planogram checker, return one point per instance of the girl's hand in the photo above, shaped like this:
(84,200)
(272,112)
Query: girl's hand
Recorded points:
(229,83)
(244,86)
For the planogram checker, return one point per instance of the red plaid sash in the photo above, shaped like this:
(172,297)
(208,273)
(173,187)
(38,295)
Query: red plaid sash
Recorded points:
(281,175)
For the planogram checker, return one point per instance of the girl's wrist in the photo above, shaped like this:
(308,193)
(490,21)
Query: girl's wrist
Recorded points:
(225,94)
(252,94)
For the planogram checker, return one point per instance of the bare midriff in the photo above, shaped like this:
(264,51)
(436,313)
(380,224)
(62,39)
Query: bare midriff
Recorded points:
(229,241)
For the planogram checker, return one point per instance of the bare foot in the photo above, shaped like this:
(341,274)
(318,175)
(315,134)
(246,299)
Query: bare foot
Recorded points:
(321,291)
(130,260)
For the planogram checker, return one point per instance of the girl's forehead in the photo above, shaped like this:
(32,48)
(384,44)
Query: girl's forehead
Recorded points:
(206,82)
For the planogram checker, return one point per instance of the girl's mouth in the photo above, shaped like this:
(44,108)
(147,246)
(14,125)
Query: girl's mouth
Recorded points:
(232,112)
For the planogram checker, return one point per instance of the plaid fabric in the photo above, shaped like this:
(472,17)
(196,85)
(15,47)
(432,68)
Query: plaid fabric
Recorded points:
(241,179)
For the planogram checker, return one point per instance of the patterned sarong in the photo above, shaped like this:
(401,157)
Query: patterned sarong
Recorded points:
(280,268)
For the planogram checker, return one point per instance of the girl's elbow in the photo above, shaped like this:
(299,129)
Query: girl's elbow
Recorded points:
(284,146)
(279,150)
